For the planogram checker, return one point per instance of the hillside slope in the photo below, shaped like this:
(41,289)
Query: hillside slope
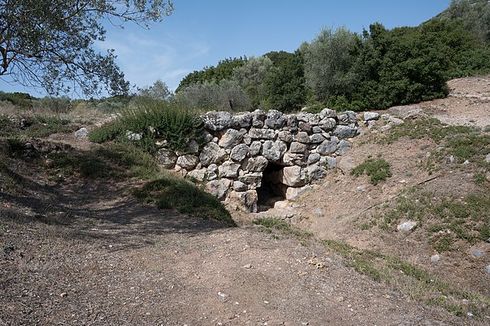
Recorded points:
(78,250)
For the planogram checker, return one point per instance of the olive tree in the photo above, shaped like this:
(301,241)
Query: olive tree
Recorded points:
(328,63)
(159,90)
(50,43)
(251,78)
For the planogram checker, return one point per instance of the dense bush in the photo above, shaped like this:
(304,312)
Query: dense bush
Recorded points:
(223,70)
(373,70)
(284,85)
(272,81)
(170,192)
(329,62)
(152,119)
(251,76)
(22,100)
(384,67)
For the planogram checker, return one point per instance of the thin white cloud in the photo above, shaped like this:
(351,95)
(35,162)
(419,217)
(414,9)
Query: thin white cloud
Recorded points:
(143,58)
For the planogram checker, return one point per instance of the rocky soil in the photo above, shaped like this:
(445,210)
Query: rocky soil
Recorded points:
(80,252)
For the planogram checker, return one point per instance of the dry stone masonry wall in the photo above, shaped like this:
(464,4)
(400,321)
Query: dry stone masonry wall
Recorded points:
(250,158)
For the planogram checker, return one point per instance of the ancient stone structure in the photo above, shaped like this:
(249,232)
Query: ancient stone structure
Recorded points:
(254,157)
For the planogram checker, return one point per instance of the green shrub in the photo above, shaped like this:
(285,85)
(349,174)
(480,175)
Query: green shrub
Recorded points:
(284,84)
(109,161)
(222,71)
(55,104)
(152,119)
(377,169)
(35,126)
(106,132)
(22,100)
(170,192)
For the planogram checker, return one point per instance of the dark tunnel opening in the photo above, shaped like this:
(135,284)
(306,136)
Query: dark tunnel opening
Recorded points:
(271,190)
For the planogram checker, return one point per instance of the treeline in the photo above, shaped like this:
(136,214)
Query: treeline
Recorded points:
(376,69)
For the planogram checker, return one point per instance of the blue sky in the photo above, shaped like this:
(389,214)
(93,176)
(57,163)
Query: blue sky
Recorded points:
(200,33)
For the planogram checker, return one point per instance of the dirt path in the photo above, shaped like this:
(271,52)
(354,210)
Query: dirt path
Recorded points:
(87,254)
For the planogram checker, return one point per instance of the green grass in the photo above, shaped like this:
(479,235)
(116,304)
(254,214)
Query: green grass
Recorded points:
(480,179)
(274,224)
(170,192)
(37,126)
(447,220)
(377,169)
(152,119)
(425,128)
(119,162)
(115,161)
(361,261)
(410,279)
(462,142)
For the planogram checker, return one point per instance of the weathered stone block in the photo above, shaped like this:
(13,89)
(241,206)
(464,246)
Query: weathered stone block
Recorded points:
(188,161)
(231,138)
(255,164)
(219,188)
(166,158)
(239,152)
(228,170)
(274,150)
(217,121)
(293,176)
(212,153)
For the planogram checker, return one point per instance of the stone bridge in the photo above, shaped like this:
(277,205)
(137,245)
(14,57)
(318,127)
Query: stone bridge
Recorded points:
(255,158)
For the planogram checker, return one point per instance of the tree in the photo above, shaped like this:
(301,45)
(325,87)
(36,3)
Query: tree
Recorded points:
(474,14)
(49,43)
(284,84)
(328,63)
(159,91)
(251,78)
(223,70)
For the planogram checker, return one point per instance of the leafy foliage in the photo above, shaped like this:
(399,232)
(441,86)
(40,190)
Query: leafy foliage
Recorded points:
(158,91)
(250,77)
(49,43)
(152,119)
(170,192)
(284,85)
(329,60)
(272,81)
(474,14)
(223,70)
(22,100)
